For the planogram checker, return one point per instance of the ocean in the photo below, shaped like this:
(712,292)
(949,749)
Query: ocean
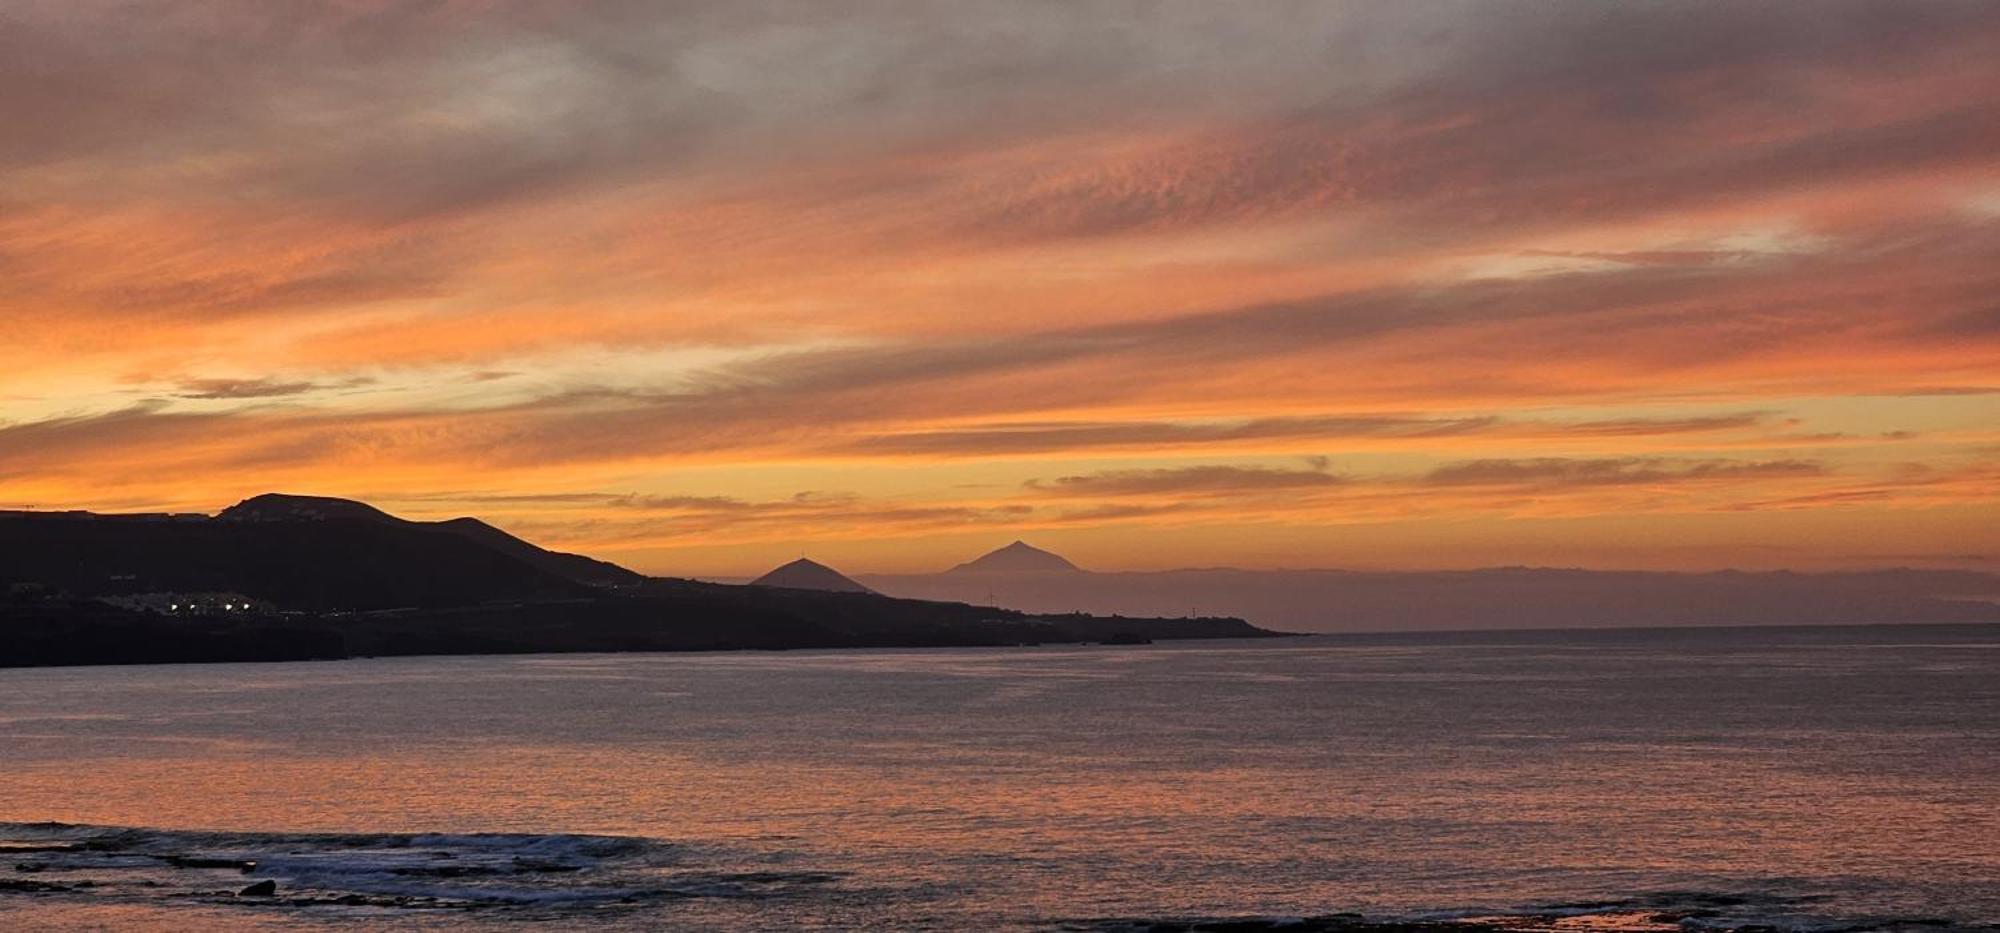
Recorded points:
(1797,778)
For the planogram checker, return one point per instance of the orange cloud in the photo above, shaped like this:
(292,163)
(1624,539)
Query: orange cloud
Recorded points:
(658,282)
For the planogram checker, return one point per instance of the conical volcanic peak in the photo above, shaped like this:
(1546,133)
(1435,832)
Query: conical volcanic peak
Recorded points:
(1019,557)
(803,574)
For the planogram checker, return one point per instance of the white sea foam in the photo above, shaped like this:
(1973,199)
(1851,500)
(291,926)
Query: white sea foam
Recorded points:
(383,869)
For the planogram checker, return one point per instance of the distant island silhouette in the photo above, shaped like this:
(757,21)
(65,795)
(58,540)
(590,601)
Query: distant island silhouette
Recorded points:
(1488,598)
(1019,557)
(803,574)
(1027,578)
(284,577)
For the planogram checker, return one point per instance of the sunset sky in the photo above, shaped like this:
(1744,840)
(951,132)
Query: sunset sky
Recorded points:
(701,287)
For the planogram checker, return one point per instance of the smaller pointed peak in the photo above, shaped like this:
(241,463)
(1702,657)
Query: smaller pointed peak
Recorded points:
(808,574)
(1019,557)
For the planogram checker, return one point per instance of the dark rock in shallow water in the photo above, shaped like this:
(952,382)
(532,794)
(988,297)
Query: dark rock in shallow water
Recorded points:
(31,887)
(265,888)
(448,871)
(204,861)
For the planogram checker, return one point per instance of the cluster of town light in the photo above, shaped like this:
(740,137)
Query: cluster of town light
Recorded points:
(176,607)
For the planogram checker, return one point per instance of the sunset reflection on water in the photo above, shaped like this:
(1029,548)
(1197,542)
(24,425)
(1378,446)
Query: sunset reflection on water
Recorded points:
(1844,772)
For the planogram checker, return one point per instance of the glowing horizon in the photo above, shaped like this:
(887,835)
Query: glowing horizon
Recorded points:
(1274,285)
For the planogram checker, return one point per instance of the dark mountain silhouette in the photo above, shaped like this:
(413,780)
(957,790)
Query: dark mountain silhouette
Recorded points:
(335,578)
(803,574)
(574,566)
(349,557)
(271,507)
(1018,557)
(281,507)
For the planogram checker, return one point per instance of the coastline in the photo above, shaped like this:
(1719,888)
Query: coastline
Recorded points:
(85,633)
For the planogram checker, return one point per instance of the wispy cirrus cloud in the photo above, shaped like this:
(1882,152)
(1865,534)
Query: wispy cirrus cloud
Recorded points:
(1558,471)
(262,387)
(1180,481)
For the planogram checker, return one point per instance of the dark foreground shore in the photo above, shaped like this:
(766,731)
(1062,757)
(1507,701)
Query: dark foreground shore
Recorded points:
(65,873)
(1583,919)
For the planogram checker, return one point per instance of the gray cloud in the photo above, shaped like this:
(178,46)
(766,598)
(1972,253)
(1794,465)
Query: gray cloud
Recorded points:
(266,387)
(1043,437)
(545,101)
(1046,437)
(690,516)
(74,440)
(1975,324)
(242,388)
(1646,427)
(1621,471)
(1195,480)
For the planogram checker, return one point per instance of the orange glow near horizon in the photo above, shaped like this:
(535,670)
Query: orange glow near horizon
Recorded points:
(1437,286)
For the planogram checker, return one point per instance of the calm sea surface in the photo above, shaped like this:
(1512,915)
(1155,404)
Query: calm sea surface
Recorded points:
(1800,777)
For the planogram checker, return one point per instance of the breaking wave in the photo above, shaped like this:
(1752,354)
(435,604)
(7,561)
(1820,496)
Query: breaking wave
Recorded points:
(1654,912)
(425,871)
(554,875)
